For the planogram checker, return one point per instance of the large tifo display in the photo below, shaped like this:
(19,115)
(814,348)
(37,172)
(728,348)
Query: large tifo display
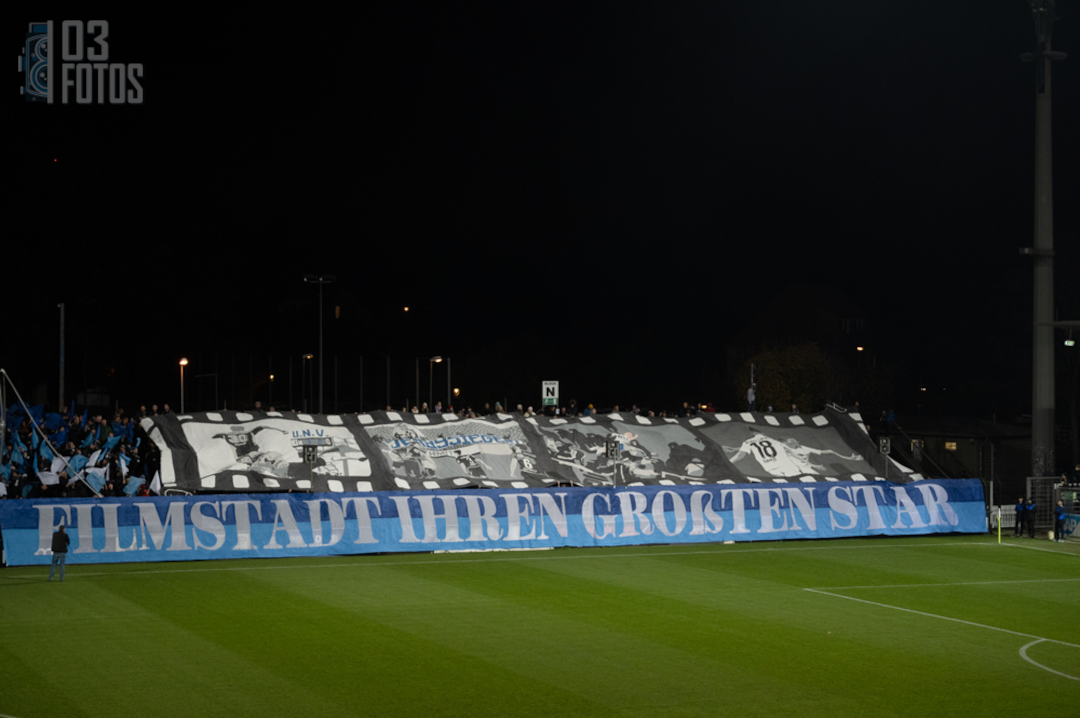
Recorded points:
(264,451)
(182,528)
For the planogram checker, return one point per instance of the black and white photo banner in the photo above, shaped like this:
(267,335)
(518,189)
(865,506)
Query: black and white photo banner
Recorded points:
(231,451)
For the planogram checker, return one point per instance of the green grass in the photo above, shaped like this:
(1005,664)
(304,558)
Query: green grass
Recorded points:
(658,631)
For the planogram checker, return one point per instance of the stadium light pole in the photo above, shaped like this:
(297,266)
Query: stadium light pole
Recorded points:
(1042,384)
(431,380)
(320,279)
(303,379)
(183,363)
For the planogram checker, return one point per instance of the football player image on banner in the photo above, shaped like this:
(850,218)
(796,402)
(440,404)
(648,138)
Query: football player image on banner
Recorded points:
(768,451)
(443,451)
(239,451)
(650,451)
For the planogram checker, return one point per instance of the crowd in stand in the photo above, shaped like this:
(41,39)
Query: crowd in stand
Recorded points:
(571,410)
(54,455)
(93,456)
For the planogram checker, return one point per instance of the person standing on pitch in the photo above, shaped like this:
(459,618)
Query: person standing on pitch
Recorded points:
(1059,522)
(60,541)
(1029,517)
(1018,522)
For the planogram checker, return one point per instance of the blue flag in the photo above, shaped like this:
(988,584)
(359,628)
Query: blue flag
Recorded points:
(37,413)
(85,416)
(109,444)
(133,485)
(77,462)
(96,479)
(54,421)
(46,452)
(88,440)
(71,411)
(60,438)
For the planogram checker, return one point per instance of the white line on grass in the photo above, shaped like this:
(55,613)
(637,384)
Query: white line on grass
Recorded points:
(968,583)
(1023,651)
(1037,548)
(1024,655)
(453,562)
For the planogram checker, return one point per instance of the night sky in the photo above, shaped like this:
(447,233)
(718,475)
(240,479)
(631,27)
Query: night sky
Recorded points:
(597,193)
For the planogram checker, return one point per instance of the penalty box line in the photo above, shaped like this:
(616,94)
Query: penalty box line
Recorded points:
(1023,650)
(449,561)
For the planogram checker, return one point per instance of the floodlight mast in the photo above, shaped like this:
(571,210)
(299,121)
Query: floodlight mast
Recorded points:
(1042,390)
(320,279)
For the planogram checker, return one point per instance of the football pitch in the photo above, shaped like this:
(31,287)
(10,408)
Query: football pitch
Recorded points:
(916,626)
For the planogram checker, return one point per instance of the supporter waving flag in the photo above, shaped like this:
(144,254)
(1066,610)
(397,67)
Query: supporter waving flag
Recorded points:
(110,443)
(77,463)
(96,479)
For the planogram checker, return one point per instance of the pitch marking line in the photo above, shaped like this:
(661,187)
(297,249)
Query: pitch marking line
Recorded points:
(449,561)
(968,583)
(1036,548)
(1023,651)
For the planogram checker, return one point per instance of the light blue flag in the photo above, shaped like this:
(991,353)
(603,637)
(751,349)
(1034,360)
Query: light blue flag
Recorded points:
(96,479)
(46,452)
(34,440)
(133,485)
(88,440)
(77,462)
(18,459)
(109,444)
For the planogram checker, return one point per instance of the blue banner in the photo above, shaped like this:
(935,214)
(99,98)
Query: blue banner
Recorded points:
(175,528)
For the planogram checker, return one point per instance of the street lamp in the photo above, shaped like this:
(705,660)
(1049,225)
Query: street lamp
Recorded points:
(183,363)
(320,279)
